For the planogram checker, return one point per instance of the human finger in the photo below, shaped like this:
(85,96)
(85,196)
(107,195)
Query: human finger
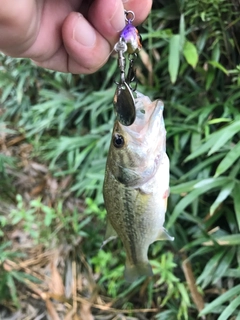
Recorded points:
(141,9)
(86,49)
(17,26)
(91,51)
(107,16)
(88,42)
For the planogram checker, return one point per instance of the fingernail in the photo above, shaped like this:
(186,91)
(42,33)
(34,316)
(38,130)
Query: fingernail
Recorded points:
(118,19)
(83,32)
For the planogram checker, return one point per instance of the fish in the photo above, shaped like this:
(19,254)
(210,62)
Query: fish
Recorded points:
(136,185)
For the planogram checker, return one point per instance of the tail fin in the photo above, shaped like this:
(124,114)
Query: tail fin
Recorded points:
(134,272)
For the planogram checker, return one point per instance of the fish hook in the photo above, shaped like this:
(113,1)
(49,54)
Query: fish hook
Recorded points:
(131,75)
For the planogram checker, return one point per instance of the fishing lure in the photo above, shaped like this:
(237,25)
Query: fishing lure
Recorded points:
(129,42)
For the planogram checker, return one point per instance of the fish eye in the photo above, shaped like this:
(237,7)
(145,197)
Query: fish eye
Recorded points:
(118,141)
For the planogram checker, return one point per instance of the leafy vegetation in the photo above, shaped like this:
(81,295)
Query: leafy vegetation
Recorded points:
(192,64)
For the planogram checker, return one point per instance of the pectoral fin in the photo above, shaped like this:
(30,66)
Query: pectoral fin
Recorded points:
(163,235)
(110,234)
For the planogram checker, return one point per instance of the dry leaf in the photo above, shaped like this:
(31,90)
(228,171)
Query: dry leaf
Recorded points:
(65,182)
(38,167)
(56,284)
(146,60)
(76,317)
(148,64)
(196,296)
(36,191)
(85,311)
(15,140)
(70,314)
(51,310)
(52,185)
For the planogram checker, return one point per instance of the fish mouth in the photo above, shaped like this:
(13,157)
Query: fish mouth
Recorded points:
(148,121)
(145,145)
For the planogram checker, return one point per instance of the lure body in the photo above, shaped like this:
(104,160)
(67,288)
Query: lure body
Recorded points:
(136,185)
(132,38)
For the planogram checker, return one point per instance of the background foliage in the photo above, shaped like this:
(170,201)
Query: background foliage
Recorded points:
(191,62)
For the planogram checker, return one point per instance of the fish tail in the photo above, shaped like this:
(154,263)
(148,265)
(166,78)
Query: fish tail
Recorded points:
(133,272)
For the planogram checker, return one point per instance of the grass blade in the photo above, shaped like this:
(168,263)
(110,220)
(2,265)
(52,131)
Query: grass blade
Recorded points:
(190,53)
(230,240)
(228,160)
(236,202)
(224,193)
(216,140)
(230,309)
(226,134)
(220,300)
(199,188)
(174,57)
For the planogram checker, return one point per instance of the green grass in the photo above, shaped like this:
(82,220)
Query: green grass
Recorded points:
(68,120)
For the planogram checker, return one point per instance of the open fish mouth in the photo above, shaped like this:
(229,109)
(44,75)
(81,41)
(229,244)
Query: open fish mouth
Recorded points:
(149,119)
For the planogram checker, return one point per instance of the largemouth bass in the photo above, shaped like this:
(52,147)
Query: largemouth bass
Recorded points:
(136,185)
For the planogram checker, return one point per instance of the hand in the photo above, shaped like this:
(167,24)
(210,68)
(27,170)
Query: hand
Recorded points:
(74,36)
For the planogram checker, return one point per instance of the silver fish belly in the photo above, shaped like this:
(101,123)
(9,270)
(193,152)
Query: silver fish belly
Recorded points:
(136,185)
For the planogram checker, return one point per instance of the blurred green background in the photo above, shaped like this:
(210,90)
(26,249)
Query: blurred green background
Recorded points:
(54,136)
